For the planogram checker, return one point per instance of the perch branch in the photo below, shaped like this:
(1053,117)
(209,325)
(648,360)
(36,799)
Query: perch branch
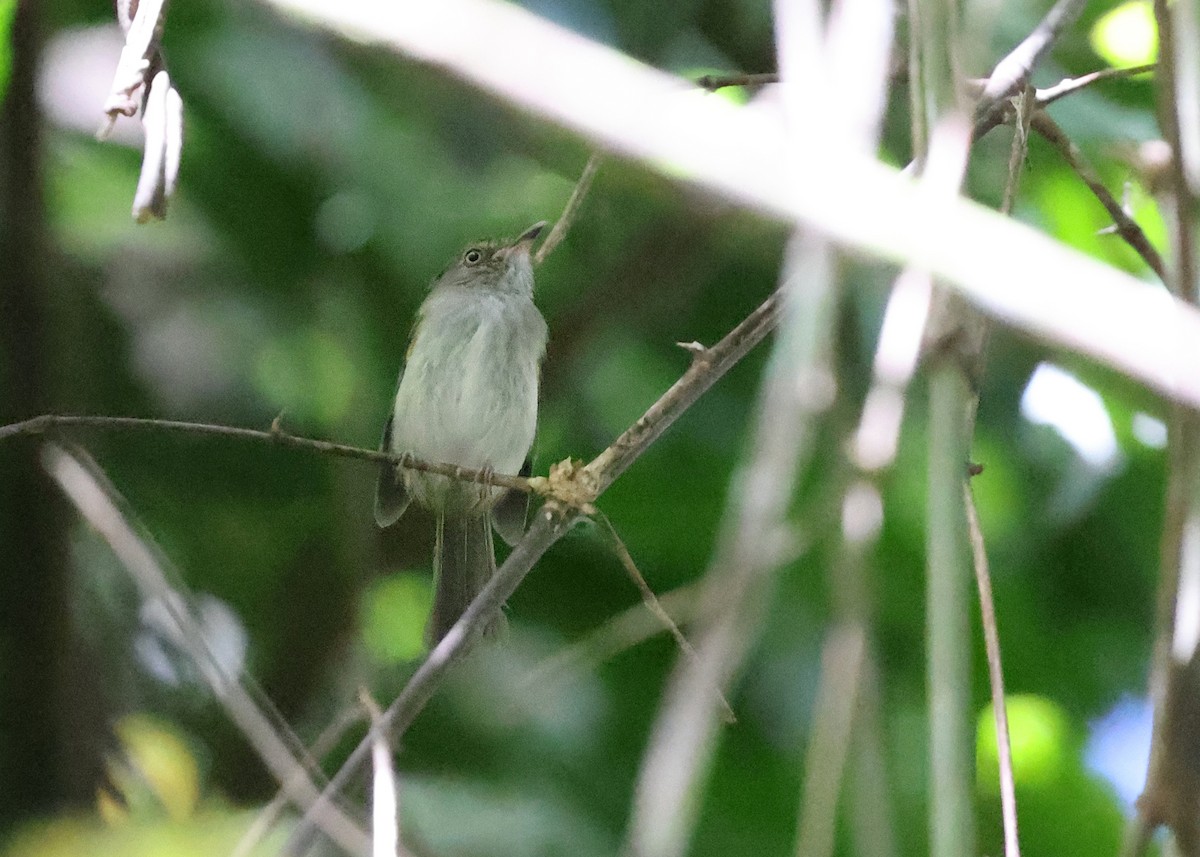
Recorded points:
(276,435)
(552,521)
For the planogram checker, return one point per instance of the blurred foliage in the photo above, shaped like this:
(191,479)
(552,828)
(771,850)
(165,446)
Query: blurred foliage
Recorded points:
(8,9)
(323,186)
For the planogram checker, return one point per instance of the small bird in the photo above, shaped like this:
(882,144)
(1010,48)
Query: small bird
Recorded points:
(468,395)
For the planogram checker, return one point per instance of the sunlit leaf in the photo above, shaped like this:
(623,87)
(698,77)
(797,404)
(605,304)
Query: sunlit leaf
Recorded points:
(8,11)
(1127,35)
(394,620)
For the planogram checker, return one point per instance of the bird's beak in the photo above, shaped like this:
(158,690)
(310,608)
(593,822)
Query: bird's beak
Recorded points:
(530,235)
(522,245)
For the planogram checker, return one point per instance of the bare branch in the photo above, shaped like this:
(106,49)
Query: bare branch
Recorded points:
(707,366)
(1020,147)
(842,661)
(141,81)
(1172,792)
(142,22)
(713,82)
(385,805)
(991,639)
(571,210)
(651,602)
(550,524)
(270,814)
(619,633)
(847,196)
(1071,85)
(1127,227)
(750,546)
(1012,72)
(276,436)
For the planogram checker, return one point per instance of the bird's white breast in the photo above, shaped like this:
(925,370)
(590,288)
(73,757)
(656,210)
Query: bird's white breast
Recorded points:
(468,393)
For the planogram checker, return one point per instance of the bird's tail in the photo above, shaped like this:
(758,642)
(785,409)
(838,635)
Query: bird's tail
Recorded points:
(464,560)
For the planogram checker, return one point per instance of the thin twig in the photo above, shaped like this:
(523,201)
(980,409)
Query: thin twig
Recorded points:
(570,210)
(689,139)
(652,604)
(991,639)
(269,815)
(708,364)
(617,634)
(1127,227)
(276,435)
(1070,85)
(713,82)
(142,23)
(385,807)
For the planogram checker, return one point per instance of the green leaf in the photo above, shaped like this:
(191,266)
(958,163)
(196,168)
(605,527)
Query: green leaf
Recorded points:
(8,11)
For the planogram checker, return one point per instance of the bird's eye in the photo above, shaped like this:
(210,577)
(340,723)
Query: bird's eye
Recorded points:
(473,256)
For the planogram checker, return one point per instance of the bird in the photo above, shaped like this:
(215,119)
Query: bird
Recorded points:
(468,395)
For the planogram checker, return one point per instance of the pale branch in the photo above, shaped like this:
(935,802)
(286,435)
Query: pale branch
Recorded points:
(94,501)
(619,633)
(1172,791)
(141,82)
(1071,85)
(47,423)
(991,639)
(947,631)
(752,541)
(385,807)
(549,525)
(658,122)
(270,814)
(848,581)
(1126,226)
(1012,72)
(142,24)
(574,202)
(843,658)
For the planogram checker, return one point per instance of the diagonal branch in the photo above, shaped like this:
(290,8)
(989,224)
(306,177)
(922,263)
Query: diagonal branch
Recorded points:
(1126,226)
(93,500)
(549,525)
(582,186)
